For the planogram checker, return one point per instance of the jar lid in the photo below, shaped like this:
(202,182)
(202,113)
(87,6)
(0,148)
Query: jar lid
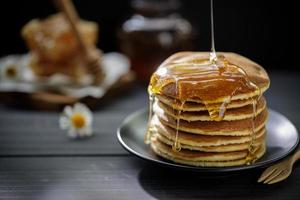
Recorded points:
(155,7)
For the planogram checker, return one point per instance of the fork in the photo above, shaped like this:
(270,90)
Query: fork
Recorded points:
(279,171)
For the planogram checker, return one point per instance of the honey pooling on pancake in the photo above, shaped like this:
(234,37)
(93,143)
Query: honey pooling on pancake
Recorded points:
(208,80)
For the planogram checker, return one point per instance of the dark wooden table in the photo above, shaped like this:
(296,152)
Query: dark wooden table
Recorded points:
(38,161)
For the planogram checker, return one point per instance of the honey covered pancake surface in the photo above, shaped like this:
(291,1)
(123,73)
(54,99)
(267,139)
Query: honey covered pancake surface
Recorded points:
(196,75)
(208,113)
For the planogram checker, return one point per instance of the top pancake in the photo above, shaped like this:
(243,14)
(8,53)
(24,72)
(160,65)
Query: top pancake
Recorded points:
(194,79)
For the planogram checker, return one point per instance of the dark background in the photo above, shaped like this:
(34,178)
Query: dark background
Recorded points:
(265,31)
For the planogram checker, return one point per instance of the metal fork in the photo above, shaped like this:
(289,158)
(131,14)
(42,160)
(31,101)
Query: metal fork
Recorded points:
(279,171)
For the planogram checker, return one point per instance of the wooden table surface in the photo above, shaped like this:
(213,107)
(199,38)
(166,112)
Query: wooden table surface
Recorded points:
(38,161)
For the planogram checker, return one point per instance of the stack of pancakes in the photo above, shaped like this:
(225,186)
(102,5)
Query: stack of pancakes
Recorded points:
(237,138)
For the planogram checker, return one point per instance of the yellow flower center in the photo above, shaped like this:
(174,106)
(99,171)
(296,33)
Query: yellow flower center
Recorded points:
(78,120)
(11,72)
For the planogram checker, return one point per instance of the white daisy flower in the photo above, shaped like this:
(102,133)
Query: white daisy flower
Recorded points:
(15,68)
(10,70)
(77,120)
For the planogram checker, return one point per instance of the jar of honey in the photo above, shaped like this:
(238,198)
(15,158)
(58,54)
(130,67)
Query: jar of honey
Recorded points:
(154,32)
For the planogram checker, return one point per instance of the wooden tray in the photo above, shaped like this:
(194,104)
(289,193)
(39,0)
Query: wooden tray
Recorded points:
(47,100)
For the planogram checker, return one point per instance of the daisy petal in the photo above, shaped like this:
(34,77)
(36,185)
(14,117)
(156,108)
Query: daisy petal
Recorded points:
(89,119)
(68,111)
(64,122)
(83,109)
(79,107)
(88,131)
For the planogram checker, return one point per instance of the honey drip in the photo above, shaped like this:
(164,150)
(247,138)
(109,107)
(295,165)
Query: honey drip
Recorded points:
(212,80)
(176,145)
(149,130)
(251,148)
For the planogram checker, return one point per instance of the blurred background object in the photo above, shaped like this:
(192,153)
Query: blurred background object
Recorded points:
(154,32)
(261,30)
(63,65)
(54,47)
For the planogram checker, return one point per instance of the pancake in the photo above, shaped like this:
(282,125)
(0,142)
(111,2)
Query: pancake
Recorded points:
(202,156)
(255,73)
(230,114)
(197,140)
(196,158)
(208,110)
(226,128)
(222,148)
(197,105)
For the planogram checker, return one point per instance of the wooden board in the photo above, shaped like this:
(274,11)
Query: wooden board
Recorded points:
(37,161)
(126,178)
(46,100)
(38,133)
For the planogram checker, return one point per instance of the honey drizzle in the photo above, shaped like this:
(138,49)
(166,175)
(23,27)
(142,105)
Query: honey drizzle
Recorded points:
(216,112)
(176,145)
(213,56)
(251,157)
(150,128)
(194,73)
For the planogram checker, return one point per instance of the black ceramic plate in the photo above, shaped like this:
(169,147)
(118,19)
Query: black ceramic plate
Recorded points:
(282,139)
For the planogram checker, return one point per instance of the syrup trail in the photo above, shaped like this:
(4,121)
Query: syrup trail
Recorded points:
(150,128)
(176,145)
(213,55)
(218,113)
(251,157)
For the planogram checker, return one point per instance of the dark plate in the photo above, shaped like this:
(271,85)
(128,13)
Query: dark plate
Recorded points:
(282,139)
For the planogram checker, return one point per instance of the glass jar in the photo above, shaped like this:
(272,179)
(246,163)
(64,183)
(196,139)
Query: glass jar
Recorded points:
(154,32)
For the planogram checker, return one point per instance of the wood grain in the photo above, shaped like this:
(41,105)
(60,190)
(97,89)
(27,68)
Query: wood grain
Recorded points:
(128,178)
(38,133)
(37,161)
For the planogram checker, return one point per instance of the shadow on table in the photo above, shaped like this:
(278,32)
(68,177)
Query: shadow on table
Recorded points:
(163,183)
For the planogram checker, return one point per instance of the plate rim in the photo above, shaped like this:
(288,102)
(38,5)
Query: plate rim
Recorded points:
(166,163)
